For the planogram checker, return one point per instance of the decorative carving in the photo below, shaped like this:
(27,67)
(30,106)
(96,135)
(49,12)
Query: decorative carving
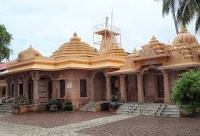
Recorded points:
(74,48)
(28,54)
(129,64)
(153,49)
(35,75)
(8,78)
(116,51)
(149,67)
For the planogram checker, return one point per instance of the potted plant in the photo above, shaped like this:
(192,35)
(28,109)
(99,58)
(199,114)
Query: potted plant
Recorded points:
(68,105)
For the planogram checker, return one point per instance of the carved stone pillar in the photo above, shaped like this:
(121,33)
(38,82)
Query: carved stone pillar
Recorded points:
(108,88)
(35,77)
(66,90)
(167,99)
(35,90)
(123,88)
(8,89)
(16,87)
(55,88)
(140,87)
(91,89)
(7,80)
(25,89)
(25,79)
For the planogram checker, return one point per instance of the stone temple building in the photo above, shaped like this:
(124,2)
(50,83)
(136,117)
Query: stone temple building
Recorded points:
(77,72)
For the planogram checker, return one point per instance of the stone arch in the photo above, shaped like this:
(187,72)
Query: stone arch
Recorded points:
(153,83)
(100,86)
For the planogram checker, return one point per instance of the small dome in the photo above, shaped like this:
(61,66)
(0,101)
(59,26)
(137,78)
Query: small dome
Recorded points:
(74,48)
(184,37)
(135,53)
(28,54)
(116,51)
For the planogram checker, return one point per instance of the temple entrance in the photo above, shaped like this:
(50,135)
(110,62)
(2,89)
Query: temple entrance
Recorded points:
(45,89)
(131,88)
(100,87)
(153,84)
(114,85)
(160,86)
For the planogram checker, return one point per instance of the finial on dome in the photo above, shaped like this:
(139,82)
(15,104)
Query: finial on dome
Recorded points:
(153,40)
(75,37)
(75,34)
(30,46)
(183,30)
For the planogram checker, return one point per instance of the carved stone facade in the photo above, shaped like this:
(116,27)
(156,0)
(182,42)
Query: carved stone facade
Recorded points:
(77,72)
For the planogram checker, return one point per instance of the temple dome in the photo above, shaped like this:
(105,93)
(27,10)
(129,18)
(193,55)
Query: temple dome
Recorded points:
(74,48)
(184,37)
(116,51)
(28,54)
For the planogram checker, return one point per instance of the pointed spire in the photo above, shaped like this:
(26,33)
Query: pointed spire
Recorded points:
(75,37)
(135,52)
(153,40)
(75,34)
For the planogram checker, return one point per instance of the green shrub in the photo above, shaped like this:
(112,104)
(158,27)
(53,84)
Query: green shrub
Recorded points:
(186,92)
(53,105)
(68,105)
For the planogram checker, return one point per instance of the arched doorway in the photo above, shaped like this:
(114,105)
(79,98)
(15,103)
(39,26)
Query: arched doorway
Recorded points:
(100,87)
(131,88)
(153,84)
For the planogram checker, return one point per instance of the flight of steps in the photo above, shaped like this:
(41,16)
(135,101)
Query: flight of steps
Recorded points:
(6,108)
(91,106)
(153,109)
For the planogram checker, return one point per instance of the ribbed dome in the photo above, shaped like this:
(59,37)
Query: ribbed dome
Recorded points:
(29,53)
(116,51)
(184,37)
(74,48)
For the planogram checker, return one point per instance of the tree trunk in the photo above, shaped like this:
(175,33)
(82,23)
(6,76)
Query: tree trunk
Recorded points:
(174,17)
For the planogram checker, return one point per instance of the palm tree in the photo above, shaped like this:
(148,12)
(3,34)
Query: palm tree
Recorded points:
(170,6)
(189,10)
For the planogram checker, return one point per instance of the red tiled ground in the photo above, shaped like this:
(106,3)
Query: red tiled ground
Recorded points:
(148,126)
(49,120)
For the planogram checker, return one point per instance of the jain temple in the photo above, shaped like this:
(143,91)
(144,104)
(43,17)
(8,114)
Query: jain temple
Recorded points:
(81,74)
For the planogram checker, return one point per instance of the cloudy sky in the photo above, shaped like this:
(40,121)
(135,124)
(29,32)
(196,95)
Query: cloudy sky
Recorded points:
(47,24)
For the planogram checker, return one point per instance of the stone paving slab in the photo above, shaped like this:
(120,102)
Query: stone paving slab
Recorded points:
(147,126)
(49,120)
(12,129)
(97,124)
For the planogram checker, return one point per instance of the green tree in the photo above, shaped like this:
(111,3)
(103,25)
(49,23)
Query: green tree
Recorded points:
(170,6)
(5,39)
(186,91)
(189,10)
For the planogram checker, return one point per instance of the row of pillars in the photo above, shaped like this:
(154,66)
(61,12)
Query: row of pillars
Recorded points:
(140,88)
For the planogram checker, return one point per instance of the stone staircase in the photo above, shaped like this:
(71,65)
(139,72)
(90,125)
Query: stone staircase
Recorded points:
(6,108)
(94,106)
(154,109)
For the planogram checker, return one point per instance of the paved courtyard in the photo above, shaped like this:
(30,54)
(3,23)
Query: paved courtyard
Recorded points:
(96,124)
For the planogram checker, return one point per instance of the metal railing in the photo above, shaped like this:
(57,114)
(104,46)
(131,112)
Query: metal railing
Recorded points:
(86,101)
(2,100)
(10,100)
(144,102)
